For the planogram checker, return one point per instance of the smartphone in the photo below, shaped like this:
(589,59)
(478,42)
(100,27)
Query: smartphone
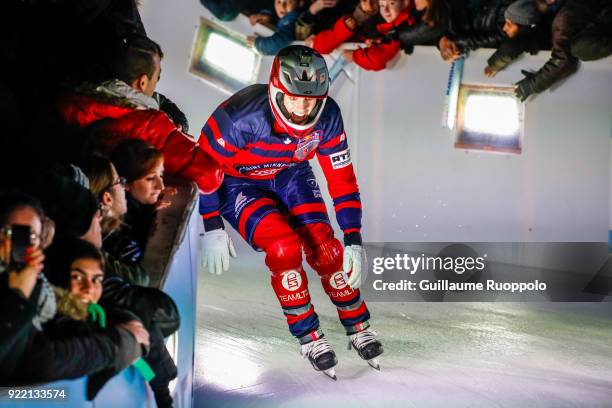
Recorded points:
(20,241)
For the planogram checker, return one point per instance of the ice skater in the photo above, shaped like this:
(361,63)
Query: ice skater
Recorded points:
(264,136)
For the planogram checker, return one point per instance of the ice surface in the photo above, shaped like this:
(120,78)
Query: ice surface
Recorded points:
(436,354)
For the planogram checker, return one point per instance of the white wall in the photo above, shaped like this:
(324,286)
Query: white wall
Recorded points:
(415,185)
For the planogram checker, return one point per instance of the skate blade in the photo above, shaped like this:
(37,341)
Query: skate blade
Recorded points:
(374,363)
(331,373)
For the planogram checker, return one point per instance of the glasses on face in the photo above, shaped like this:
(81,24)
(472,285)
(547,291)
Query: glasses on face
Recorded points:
(120,181)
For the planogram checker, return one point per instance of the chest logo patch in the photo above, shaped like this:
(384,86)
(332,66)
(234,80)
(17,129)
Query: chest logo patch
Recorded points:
(308,144)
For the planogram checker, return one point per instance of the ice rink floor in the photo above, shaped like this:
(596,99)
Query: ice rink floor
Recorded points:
(436,354)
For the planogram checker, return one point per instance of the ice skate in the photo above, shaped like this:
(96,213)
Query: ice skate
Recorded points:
(367,346)
(321,356)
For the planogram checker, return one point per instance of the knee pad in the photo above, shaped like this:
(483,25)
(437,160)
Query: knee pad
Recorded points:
(284,254)
(326,257)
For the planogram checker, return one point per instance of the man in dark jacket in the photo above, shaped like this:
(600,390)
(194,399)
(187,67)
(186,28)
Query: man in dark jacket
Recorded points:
(513,27)
(580,30)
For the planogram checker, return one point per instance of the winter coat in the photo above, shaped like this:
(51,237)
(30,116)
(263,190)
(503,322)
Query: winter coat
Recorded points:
(328,40)
(158,313)
(486,32)
(16,314)
(283,36)
(569,21)
(456,21)
(151,305)
(308,23)
(124,249)
(131,272)
(111,119)
(69,347)
(375,57)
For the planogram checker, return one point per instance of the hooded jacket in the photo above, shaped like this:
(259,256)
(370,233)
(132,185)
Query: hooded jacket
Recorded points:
(114,112)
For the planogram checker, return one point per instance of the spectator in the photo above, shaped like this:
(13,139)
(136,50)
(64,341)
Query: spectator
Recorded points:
(524,32)
(109,340)
(227,10)
(287,13)
(143,168)
(581,29)
(511,27)
(123,109)
(360,25)
(26,298)
(434,19)
(122,254)
(377,54)
(320,15)
(124,286)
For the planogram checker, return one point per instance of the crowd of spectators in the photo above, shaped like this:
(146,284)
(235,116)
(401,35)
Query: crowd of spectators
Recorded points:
(86,145)
(573,30)
(88,141)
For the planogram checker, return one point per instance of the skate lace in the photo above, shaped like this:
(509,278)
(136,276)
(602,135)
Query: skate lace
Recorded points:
(362,338)
(316,348)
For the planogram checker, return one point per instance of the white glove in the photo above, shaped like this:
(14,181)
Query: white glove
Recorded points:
(215,250)
(354,256)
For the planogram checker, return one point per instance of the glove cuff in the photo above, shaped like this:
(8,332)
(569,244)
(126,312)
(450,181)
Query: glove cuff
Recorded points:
(352,238)
(213,223)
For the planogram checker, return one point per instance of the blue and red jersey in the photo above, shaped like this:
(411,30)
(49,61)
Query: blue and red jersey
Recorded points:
(243,137)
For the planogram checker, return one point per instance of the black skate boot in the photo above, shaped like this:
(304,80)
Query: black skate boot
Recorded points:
(367,346)
(319,353)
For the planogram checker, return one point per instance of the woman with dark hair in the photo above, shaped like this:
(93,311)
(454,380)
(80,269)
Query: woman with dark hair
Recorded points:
(96,342)
(142,166)
(122,254)
(126,284)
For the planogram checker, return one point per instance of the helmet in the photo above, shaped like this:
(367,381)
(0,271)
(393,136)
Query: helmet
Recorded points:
(300,71)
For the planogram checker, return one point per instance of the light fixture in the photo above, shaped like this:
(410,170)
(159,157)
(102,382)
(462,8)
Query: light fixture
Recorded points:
(489,118)
(222,58)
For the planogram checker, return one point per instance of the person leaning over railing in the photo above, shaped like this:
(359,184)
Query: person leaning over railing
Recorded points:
(358,25)
(156,309)
(123,108)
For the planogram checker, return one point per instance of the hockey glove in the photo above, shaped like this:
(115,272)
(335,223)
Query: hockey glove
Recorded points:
(354,258)
(216,247)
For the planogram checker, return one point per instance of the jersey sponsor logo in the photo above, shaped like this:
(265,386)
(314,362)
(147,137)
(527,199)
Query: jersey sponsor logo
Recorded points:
(264,172)
(308,144)
(340,159)
(263,169)
(241,202)
(292,297)
(221,142)
(337,280)
(291,280)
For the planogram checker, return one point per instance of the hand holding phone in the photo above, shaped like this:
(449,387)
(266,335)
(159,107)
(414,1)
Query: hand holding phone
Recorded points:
(26,261)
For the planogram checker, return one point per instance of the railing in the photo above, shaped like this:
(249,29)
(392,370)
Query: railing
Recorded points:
(171,261)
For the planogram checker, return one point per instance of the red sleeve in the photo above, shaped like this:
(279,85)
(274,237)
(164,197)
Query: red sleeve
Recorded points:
(335,159)
(182,156)
(328,40)
(375,58)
